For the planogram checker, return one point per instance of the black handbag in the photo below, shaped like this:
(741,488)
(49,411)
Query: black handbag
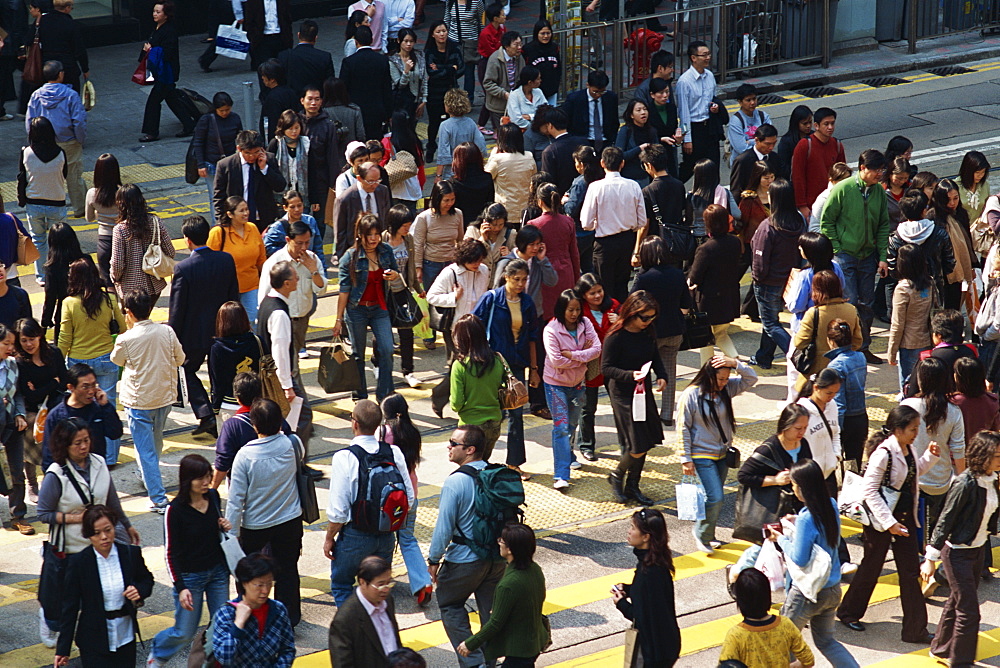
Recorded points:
(50,582)
(758,506)
(404,312)
(680,239)
(338,371)
(697,331)
(803,358)
(440,318)
(305,484)
(191,165)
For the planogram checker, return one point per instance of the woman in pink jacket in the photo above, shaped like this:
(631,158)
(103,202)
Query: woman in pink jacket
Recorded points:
(570,343)
(559,232)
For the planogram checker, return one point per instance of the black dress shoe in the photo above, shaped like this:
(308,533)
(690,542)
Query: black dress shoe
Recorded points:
(854,626)
(315,474)
(207,426)
(185,133)
(145,139)
(872,358)
(589,455)
(923,640)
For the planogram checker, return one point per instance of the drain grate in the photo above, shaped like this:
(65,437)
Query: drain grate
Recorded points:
(950,70)
(880,82)
(819,91)
(770,98)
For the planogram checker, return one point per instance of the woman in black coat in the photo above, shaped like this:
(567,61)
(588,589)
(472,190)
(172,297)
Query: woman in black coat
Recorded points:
(649,600)
(83,595)
(444,66)
(473,185)
(165,65)
(715,278)
(629,345)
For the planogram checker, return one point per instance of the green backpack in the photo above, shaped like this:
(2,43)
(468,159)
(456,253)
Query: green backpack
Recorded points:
(498,500)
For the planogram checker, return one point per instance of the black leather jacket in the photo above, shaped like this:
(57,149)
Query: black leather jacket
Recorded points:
(963,512)
(937,248)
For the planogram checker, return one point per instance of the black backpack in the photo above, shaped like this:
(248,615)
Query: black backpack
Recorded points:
(381,505)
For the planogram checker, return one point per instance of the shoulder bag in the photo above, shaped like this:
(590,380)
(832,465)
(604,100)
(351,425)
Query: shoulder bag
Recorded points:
(442,317)
(154,261)
(697,331)
(33,62)
(401,166)
(270,385)
(803,358)
(305,483)
(338,370)
(512,393)
(26,250)
(852,503)
(679,239)
(757,506)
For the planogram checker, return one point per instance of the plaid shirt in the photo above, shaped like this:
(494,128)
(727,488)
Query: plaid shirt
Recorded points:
(126,260)
(246,647)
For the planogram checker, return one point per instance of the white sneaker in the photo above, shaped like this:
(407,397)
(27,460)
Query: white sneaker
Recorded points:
(48,636)
(575,464)
(303,354)
(411,380)
(157,508)
(560,484)
(700,546)
(848,568)
(151,662)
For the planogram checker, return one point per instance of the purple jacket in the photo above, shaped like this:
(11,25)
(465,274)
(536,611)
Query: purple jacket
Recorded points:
(585,346)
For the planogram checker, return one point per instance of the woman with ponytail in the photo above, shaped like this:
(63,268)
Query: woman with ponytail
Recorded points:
(817,524)
(891,459)
(559,232)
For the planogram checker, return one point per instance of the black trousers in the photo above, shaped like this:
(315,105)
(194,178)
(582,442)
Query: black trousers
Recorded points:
(613,263)
(264,48)
(151,116)
(585,244)
(197,396)
(286,544)
(958,629)
(435,116)
(703,146)
(123,658)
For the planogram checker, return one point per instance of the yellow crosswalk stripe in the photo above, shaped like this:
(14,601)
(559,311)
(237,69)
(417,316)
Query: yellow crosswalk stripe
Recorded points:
(987,648)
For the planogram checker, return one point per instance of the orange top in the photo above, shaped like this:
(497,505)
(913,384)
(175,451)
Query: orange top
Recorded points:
(247,251)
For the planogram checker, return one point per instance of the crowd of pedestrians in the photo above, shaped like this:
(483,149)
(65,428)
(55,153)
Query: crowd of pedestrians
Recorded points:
(579,252)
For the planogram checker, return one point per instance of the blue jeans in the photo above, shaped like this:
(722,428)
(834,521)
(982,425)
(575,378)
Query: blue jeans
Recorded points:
(712,473)
(210,186)
(820,617)
(213,585)
(908,358)
(249,301)
(146,427)
(515,427)
(107,378)
(859,289)
(40,218)
(359,319)
(566,404)
(350,548)
(431,271)
(416,565)
(772,334)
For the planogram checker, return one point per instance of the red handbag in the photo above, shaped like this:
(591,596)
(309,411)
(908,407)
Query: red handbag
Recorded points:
(142,75)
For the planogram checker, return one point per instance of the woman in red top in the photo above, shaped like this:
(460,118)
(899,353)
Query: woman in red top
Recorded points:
(561,250)
(602,311)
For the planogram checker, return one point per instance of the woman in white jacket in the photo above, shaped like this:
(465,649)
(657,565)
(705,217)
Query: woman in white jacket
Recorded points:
(460,284)
(823,435)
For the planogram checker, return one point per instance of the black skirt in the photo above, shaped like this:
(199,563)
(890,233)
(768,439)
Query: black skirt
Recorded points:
(634,437)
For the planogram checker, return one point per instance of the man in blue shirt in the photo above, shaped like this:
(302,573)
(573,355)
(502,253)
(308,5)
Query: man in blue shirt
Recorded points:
(463,574)
(695,104)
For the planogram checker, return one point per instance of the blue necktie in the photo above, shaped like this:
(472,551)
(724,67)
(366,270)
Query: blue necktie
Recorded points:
(251,198)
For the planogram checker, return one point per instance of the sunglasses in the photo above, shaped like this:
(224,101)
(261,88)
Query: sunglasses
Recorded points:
(645,318)
(456,444)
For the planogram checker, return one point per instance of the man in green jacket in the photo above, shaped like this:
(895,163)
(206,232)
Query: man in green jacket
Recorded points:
(856,220)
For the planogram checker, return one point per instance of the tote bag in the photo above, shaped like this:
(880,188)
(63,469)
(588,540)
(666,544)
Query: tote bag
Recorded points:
(154,261)
(338,370)
(231,42)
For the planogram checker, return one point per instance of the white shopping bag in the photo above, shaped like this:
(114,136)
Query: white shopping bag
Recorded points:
(639,396)
(232,42)
(770,563)
(690,499)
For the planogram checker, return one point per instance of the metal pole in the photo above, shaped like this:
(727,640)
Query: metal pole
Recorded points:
(827,42)
(722,58)
(912,37)
(250,109)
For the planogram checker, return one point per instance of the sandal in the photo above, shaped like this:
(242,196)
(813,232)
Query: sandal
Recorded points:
(524,476)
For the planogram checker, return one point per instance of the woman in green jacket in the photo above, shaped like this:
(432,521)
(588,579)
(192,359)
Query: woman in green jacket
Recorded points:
(516,630)
(476,376)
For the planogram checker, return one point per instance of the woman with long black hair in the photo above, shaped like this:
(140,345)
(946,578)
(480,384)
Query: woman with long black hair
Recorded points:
(649,601)
(707,425)
(707,189)
(973,184)
(163,61)
(891,459)
(403,137)
(409,75)
(588,166)
(952,216)
(195,562)
(129,241)
(629,347)
(102,209)
(443,58)
(912,301)
(816,524)
(41,186)
(64,248)
(959,540)
(476,376)
(800,126)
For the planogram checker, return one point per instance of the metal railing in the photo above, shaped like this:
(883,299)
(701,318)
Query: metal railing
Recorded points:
(746,37)
(934,18)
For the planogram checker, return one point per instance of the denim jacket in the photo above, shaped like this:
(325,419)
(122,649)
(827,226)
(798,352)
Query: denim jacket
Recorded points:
(493,310)
(853,369)
(386,260)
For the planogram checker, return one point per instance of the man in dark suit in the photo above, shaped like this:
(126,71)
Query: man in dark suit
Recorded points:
(593,112)
(61,39)
(557,158)
(305,64)
(275,96)
(369,83)
(364,631)
(202,283)
(367,195)
(269,33)
(764,141)
(253,174)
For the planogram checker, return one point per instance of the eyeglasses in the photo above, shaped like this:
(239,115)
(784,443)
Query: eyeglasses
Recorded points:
(373,182)
(260,586)
(707,54)
(385,587)
(645,318)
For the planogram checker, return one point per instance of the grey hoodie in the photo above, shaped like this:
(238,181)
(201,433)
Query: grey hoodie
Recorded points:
(62,106)
(915,231)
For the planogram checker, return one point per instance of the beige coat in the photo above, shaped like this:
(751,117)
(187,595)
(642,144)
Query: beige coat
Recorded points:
(150,353)
(837,308)
(512,174)
(911,314)
(495,80)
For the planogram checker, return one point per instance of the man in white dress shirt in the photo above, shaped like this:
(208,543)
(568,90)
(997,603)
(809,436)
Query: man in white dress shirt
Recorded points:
(695,103)
(614,210)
